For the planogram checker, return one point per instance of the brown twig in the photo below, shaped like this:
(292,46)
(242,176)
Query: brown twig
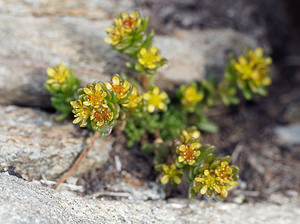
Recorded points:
(78,160)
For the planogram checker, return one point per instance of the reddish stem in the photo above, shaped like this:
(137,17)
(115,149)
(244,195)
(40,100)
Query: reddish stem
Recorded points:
(78,160)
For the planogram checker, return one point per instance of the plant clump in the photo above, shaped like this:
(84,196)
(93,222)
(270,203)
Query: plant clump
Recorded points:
(169,124)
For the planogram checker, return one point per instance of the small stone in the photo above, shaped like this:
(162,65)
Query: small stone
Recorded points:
(289,134)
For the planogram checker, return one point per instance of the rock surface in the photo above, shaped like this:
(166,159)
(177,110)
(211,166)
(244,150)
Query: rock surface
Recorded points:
(24,202)
(289,134)
(37,35)
(35,146)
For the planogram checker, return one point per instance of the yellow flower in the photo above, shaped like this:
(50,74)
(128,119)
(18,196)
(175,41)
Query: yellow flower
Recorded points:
(254,67)
(155,99)
(191,96)
(188,153)
(57,74)
(123,25)
(115,35)
(190,134)
(120,87)
(208,182)
(81,112)
(134,99)
(219,180)
(170,173)
(223,174)
(93,96)
(128,21)
(102,115)
(149,58)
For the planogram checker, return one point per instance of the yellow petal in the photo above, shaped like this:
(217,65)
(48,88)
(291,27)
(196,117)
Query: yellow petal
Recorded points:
(151,66)
(124,15)
(158,58)
(206,172)
(217,188)
(133,15)
(86,103)
(182,148)
(258,52)
(143,51)
(155,90)
(50,81)
(107,40)
(242,60)
(197,153)
(126,85)
(196,134)
(267,81)
(116,81)
(50,72)
(154,50)
(77,120)
(163,95)
(180,159)
(164,179)
(191,162)
(142,61)
(134,91)
(195,145)
(177,180)
(165,168)
(224,193)
(151,108)
(73,103)
(203,189)
(108,85)
(98,88)
(146,96)
(161,106)
(198,179)
(268,61)
(88,91)
(173,166)
(100,123)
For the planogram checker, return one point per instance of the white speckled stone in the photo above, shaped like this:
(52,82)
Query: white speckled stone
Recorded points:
(24,202)
(35,146)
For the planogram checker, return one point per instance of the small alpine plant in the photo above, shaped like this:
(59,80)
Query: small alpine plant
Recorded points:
(169,123)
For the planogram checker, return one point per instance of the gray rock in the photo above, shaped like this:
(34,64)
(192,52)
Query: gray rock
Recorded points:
(35,146)
(37,35)
(292,113)
(195,54)
(24,202)
(289,134)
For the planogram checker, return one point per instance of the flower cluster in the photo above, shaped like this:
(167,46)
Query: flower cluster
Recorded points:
(63,85)
(98,104)
(123,26)
(155,99)
(170,173)
(217,181)
(190,96)
(253,70)
(129,35)
(134,99)
(188,153)
(190,134)
(57,74)
(120,87)
(149,59)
